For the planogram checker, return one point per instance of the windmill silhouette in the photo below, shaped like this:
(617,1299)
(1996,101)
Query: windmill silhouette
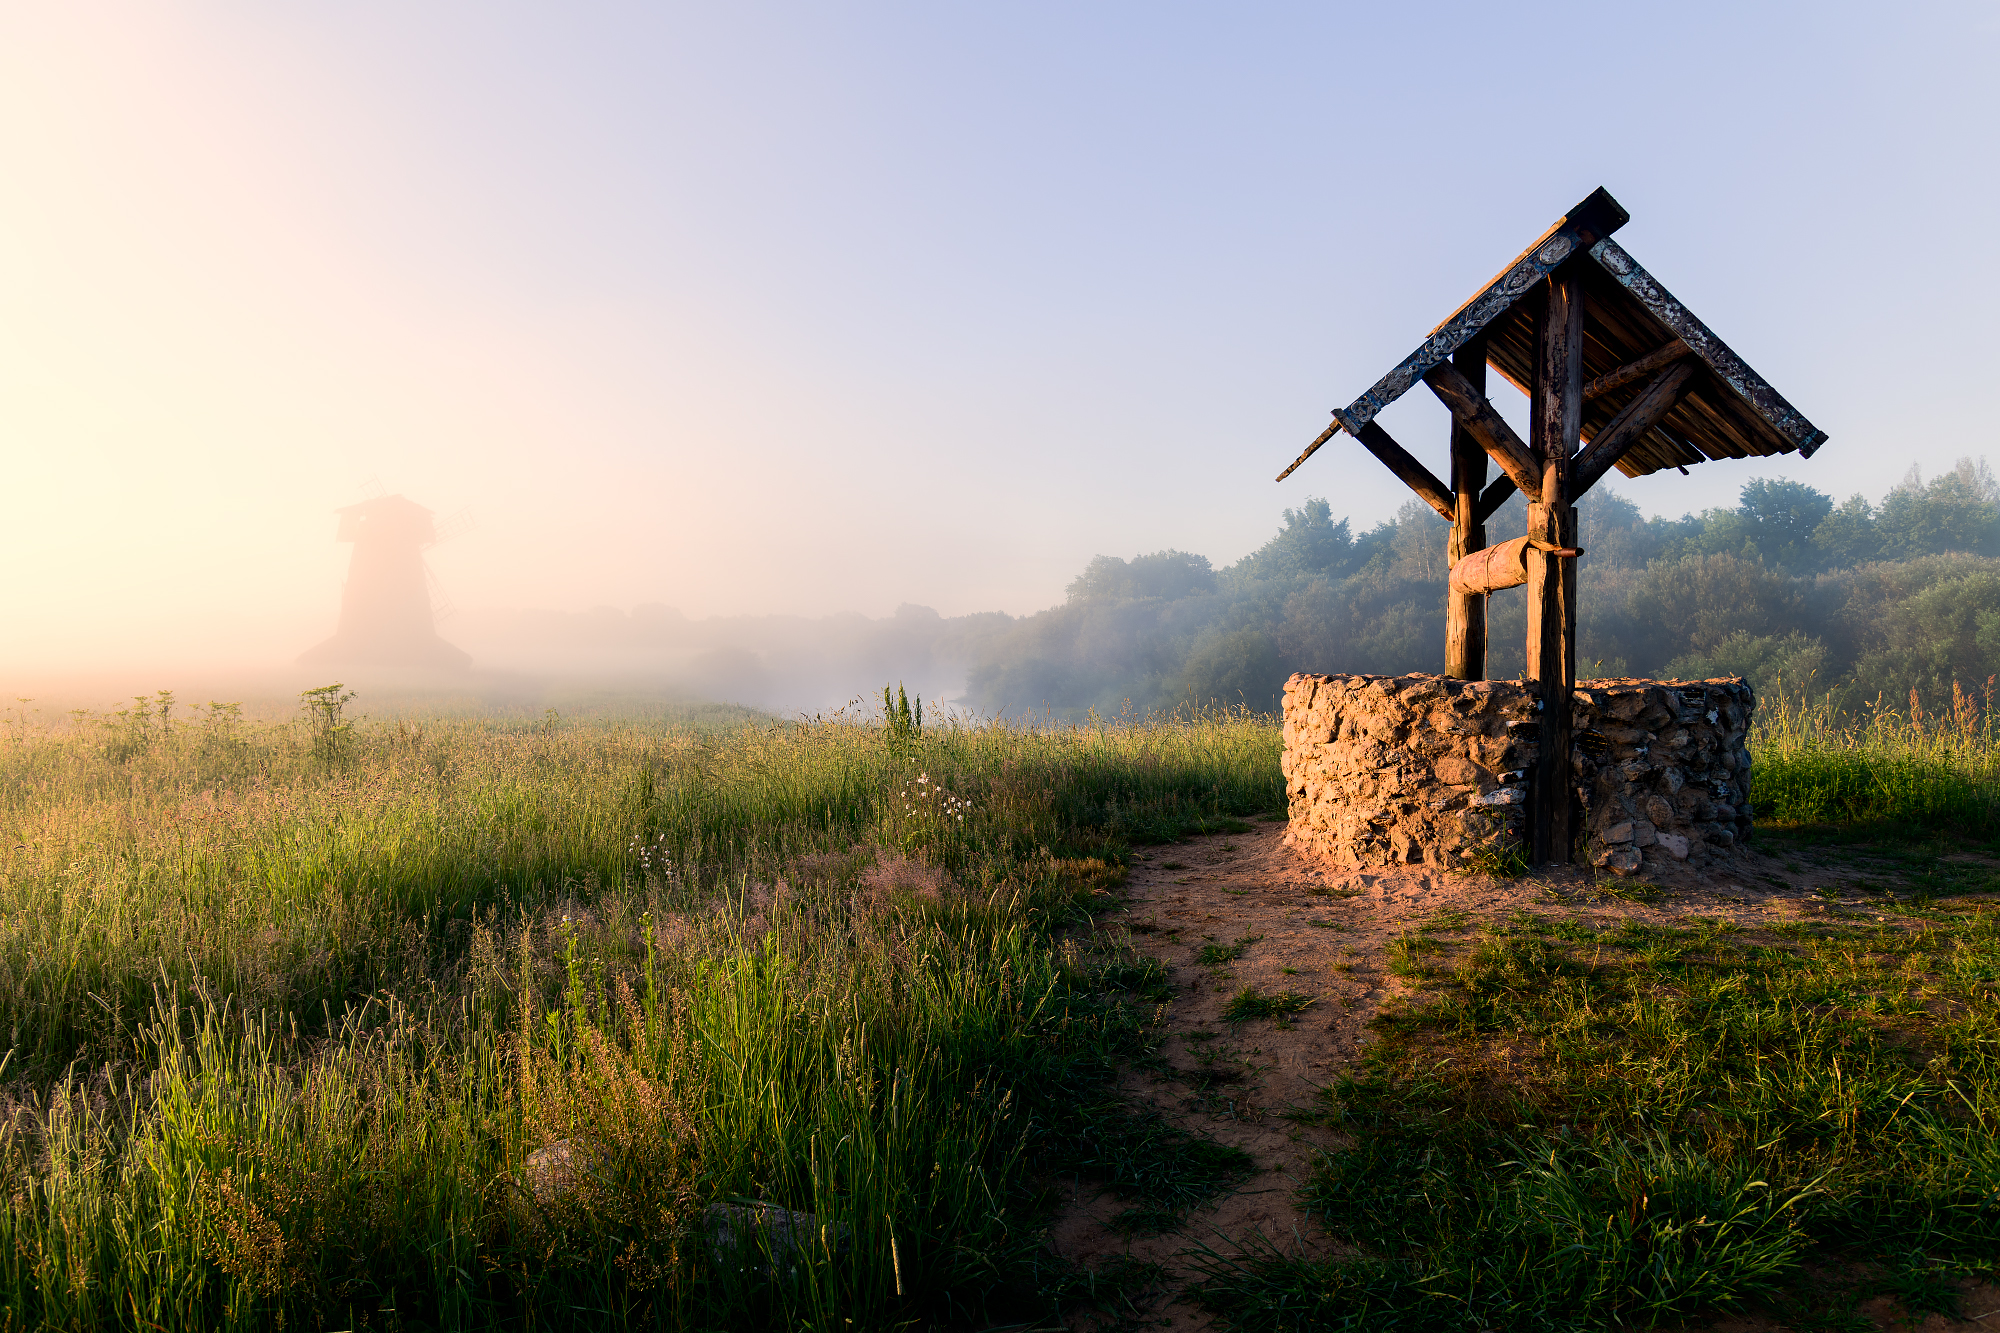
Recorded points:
(389,605)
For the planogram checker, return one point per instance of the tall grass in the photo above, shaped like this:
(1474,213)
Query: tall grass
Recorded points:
(287,1012)
(1814,764)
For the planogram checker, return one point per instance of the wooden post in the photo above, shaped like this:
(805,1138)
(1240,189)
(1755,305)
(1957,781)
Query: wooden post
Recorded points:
(1465,612)
(1556,426)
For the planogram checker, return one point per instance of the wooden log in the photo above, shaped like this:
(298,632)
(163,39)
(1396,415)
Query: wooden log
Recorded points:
(1465,612)
(1630,425)
(1491,569)
(1635,370)
(1413,474)
(1494,496)
(1470,409)
(1556,423)
(1789,428)
(1502,566)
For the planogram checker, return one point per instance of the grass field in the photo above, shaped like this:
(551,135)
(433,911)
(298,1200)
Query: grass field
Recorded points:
(288,1007)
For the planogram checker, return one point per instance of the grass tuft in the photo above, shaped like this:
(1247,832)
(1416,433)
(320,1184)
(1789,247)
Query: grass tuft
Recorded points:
(1249,1003)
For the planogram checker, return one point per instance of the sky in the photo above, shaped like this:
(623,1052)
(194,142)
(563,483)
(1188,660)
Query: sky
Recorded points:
(758,309)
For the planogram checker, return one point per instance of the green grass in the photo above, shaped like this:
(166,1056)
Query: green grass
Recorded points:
(1889,772)
(1575,1128)
(286,1010)
(1250,1003)
(1222,955)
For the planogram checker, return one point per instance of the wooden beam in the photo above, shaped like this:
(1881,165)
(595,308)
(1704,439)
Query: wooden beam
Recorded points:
(1592,220)
(1630,425)
(1494,496)
(1312,448)
(1635,370)
(1760,398)
(1556,423)
(1465,612)
(1470,409)
(1413,474)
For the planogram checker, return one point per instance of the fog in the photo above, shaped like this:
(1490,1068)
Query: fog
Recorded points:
(769,350)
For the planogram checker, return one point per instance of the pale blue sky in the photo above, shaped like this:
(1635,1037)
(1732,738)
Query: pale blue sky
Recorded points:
(747,308)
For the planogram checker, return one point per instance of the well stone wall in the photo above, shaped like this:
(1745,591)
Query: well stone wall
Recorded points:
(1396,770)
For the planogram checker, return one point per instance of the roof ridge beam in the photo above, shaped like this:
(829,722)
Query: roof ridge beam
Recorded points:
(1471,410)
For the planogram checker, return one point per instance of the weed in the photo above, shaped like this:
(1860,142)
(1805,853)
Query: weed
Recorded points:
(1248,1003)
(1221,955)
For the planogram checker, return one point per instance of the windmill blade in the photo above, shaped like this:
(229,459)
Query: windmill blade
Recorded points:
(373,489)
(441,607)
(457,525)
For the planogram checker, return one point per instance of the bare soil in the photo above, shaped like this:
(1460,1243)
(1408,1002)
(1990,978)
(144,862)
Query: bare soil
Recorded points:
(1324,933)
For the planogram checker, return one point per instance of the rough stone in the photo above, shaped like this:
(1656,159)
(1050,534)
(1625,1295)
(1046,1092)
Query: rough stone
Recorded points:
(1404,769)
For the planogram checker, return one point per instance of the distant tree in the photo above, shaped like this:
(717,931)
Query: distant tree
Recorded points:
(1697,601)
(1847,535)
(1310,543)
(1610,529)
(1238,667)
(1161,574)
(1958,511)
(1793,664)
(1420,542)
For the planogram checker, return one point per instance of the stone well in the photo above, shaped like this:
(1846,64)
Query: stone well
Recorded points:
(1395,770)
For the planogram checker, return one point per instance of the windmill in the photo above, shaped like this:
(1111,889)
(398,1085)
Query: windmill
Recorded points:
(391,603)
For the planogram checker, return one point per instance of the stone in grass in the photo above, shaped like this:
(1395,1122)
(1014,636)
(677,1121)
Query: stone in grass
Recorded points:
(559,1170)
(788,1234)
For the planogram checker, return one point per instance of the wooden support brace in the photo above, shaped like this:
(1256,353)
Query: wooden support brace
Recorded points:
(1413,474)
(1635,370)
(1630,425)
(1470,410)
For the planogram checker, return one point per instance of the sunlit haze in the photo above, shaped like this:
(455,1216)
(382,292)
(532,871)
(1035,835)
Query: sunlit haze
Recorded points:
(748,310)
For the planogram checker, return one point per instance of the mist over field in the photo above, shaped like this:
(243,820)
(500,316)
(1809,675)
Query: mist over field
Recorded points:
(1856,599)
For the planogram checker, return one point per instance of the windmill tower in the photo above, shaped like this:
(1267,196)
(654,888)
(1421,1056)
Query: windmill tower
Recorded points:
(386,611)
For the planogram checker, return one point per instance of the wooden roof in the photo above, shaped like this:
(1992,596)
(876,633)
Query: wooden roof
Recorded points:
(1632,325)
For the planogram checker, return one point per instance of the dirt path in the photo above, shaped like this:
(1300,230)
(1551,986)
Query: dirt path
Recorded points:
(1279,923)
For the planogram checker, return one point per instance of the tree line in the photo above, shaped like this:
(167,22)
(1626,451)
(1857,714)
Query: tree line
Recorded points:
(1788,588)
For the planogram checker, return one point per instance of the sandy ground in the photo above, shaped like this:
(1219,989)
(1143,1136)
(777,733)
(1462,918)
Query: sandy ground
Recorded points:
(1324,933)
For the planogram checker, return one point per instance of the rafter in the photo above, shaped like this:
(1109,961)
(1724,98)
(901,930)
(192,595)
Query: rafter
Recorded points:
(1635,370)
(1630,425)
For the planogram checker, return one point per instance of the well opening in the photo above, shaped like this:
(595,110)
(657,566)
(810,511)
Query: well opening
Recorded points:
(1421,769)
